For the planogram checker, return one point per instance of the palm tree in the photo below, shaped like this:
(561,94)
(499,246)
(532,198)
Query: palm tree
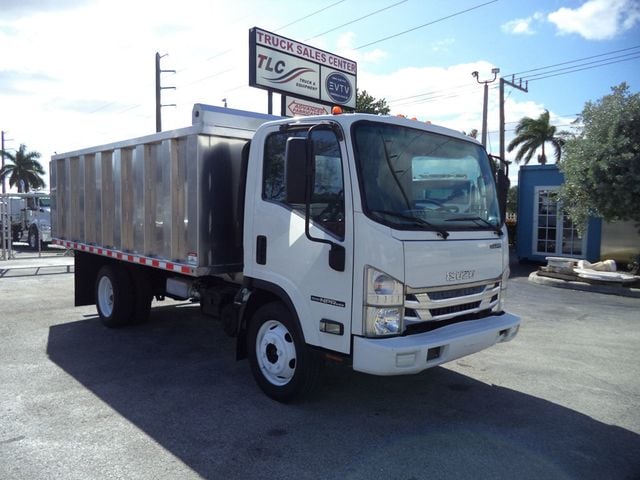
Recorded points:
(25,171)
(532,134)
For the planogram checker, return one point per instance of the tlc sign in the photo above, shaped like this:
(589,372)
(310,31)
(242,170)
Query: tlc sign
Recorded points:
(264,63)
(288,67)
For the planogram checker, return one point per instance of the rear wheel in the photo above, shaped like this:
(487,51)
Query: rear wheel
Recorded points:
(281,363)
(114,296)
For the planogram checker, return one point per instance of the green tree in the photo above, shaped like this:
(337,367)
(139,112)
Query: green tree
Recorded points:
(366,103)
(25,171)
(512,200)
(601,164)
(532,134)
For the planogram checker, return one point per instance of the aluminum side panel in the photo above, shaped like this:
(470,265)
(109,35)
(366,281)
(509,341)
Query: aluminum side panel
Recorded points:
(175,199)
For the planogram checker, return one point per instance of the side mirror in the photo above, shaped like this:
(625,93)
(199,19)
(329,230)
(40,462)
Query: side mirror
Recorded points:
(503,190)
(295,170)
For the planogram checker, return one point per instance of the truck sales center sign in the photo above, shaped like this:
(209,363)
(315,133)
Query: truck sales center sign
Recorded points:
(285,66)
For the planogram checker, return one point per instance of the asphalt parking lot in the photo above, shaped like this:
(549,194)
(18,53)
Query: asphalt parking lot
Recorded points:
(167,399)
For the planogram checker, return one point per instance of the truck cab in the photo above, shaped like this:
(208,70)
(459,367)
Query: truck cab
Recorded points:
(385,237)
(37,220)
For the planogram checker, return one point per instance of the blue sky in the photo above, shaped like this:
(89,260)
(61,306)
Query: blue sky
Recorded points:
(77,73)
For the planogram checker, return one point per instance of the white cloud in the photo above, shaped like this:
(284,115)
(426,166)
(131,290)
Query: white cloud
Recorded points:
(345,48)
(442,45)
(597,19)
(522,26)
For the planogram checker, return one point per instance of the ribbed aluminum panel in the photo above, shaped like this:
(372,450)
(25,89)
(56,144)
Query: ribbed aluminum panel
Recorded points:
(174,196)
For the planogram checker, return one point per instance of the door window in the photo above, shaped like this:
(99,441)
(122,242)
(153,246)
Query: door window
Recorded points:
(327,197)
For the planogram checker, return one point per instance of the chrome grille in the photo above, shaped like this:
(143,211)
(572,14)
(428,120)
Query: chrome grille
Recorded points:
(444,303)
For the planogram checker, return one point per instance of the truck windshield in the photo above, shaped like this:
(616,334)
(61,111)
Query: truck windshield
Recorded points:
(412,179)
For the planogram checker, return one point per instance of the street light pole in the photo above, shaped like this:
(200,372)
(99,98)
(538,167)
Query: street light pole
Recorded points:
(495,72)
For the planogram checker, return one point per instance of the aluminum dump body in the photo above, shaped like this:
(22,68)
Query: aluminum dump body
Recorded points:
(175,196)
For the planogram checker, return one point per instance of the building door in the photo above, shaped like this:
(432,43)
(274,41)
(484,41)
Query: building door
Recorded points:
(554,234)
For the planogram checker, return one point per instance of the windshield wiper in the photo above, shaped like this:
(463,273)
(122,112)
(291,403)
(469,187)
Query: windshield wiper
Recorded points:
(414,220)
(495,228)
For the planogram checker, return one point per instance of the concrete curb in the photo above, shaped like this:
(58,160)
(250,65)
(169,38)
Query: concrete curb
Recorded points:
(615,289)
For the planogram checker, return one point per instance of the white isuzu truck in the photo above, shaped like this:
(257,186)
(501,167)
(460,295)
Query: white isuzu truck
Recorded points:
(376,241)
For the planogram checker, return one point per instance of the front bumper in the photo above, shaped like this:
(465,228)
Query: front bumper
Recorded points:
(414,353)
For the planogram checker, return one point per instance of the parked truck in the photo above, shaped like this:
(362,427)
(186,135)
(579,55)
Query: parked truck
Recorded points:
(27,216)
(310,239)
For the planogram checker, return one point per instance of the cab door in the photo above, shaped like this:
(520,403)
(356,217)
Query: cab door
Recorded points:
(285,257)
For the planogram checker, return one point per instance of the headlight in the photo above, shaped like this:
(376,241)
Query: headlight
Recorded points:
(384,309)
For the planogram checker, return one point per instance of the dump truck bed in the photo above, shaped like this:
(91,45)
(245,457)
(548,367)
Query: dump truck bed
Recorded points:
(175,197)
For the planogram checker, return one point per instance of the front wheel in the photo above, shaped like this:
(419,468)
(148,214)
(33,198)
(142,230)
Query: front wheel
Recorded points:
(34,239)
(281,363)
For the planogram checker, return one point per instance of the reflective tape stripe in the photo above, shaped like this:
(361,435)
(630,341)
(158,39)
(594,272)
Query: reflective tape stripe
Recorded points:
(127,257)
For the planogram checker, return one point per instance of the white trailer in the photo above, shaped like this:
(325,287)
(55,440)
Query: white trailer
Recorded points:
(310,239)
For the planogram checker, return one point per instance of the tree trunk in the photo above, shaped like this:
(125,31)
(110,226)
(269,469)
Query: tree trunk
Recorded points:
(542,159)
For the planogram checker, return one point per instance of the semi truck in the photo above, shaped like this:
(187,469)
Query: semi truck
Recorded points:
(28,218)
(310,239)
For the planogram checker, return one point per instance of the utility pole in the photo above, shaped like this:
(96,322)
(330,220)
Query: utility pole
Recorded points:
(495,72)
(159,88)
(4,188)
(519,87)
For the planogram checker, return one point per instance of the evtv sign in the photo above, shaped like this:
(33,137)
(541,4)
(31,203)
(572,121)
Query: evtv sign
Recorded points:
(285,66)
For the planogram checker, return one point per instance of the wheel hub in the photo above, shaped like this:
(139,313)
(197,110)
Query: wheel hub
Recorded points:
(276,353)
(272,353)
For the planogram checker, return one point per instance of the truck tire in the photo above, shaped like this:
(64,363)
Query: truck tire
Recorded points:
(34,239)
(114,296)
(281,363)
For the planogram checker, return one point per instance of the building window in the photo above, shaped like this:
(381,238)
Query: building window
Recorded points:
(554,232)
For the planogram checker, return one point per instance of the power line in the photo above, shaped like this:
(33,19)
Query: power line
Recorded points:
(576,60)
(434,92)
(425,24)
(595,62)
(309,15)
(437,94)
(586,68)
(356,20)
(224,52)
